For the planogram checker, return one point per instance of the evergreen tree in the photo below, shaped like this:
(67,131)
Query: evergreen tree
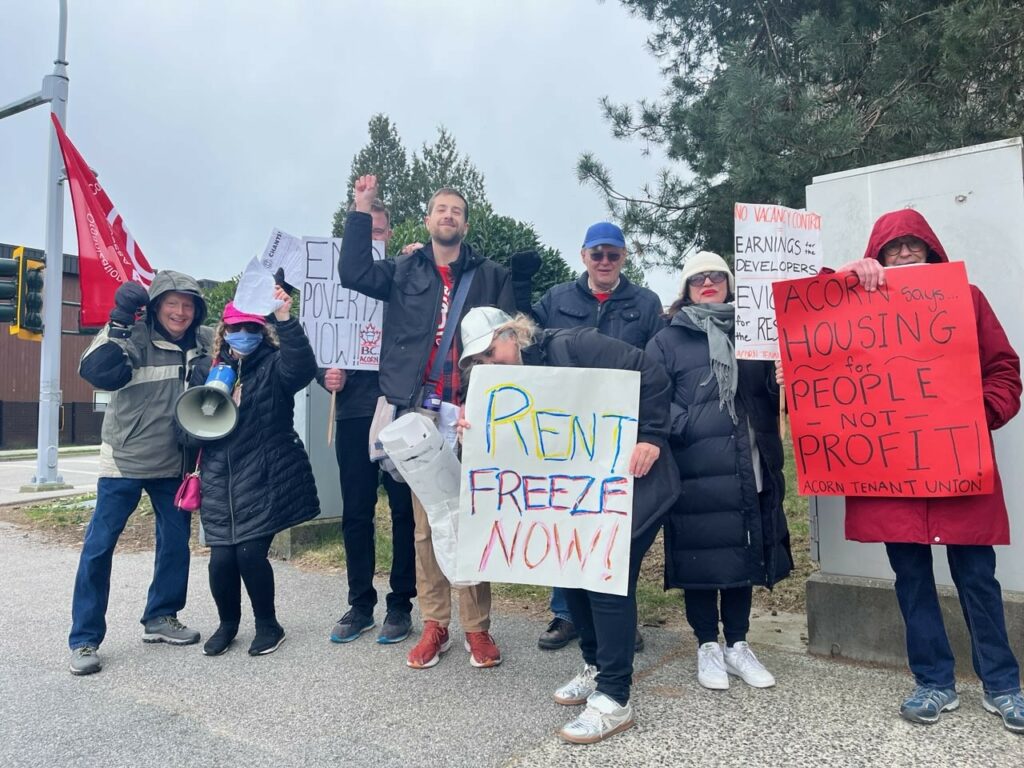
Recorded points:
(441,165)
(762,96)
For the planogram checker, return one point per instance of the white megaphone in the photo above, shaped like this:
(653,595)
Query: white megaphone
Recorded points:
(208,412)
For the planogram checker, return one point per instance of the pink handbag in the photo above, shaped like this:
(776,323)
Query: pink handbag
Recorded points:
(189,496)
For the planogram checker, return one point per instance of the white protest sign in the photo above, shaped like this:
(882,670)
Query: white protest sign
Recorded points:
(546,496)
(772,243)
(254,293)
(343,326)
(280,248)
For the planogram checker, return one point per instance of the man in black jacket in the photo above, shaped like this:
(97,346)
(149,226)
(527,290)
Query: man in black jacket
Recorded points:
(605,299)
(357,393)
(419,288)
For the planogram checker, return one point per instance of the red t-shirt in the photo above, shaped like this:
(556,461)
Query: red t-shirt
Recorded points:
(602,297)
(448,382)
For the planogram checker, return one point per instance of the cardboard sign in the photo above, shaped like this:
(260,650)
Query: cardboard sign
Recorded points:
(344,326)
(546,493)
(772,243)
(884,388)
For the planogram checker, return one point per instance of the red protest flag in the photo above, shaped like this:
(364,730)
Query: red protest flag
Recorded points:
(107,253)
(884,388)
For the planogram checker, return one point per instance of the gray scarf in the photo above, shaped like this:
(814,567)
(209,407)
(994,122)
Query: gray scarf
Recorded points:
(718,322)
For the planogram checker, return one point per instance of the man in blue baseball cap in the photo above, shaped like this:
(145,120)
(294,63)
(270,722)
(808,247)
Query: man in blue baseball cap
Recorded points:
(605,299)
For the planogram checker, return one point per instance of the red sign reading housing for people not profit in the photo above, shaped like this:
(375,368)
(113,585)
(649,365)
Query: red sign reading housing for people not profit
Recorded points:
(884,387)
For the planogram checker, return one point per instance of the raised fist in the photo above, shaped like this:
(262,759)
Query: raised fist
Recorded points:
(128,300)
(364,192)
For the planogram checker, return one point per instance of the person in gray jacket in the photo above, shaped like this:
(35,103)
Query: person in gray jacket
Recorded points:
(145,364)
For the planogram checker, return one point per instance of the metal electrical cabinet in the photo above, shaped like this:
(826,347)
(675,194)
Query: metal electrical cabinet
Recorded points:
(974,200)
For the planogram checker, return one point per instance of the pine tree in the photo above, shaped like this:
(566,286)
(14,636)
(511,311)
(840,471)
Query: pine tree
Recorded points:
(763,95)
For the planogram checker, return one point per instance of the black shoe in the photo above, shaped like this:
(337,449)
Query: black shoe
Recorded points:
(638,643)
(558,635)
(396,627)
(268,639)
(220,640)
(351,625)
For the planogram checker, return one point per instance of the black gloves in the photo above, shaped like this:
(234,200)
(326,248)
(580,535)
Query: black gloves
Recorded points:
(128,300)
(279,279)
(524,265)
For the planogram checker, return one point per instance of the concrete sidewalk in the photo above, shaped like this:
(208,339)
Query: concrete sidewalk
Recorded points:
(314,703)
(78,466)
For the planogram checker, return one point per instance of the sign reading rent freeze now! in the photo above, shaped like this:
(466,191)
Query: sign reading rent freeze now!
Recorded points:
(884,387)
(547,497)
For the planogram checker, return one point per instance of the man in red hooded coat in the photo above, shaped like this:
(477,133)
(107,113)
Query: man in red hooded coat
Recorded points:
(968,526)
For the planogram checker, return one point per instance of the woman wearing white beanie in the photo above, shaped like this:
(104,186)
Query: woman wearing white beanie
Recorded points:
(727,531)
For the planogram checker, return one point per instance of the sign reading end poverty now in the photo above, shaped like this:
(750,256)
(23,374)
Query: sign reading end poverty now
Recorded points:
(772,243)
(884,387)
(546,493)
(343,326)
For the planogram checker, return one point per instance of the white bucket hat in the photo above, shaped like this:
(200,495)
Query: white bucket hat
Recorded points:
(478,327)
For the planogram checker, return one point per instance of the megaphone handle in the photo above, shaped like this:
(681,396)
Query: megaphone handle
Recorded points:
(331,412)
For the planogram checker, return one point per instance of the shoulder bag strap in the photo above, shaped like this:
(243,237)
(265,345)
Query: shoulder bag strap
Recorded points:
(454,311)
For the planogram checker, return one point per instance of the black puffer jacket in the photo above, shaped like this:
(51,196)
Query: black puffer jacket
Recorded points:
(653,493)
(721,533)
(412,287)
(258,481)
(631,314)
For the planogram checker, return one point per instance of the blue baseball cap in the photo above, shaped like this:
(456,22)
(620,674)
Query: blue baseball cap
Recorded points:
(604,233)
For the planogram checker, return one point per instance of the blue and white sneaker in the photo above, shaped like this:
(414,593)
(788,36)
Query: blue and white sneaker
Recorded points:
(350,626)
(925,704)
(1010,706)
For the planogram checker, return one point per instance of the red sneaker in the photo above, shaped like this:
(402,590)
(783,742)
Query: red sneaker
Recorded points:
(433,642)
(482,650)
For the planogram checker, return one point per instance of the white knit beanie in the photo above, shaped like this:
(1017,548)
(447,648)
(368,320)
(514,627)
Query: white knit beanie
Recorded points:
(706,261)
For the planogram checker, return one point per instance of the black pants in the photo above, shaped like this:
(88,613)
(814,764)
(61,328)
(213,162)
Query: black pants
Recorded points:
(247,562)
(702,613)
(607,626)
(359,480)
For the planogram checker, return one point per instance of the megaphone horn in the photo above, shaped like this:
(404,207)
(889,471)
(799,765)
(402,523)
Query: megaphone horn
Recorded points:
(208,412)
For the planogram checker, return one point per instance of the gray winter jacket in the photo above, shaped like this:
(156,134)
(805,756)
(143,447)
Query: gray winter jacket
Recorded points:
(145,374)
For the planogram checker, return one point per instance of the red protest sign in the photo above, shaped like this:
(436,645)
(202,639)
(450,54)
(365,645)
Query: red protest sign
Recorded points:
(884,388)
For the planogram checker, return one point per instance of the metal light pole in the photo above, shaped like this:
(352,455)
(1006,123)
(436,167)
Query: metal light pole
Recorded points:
(54,91)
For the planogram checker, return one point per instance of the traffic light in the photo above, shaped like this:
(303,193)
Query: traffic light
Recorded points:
(9,290)
(21,295)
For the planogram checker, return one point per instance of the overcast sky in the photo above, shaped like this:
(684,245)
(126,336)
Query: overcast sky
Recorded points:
(211,122)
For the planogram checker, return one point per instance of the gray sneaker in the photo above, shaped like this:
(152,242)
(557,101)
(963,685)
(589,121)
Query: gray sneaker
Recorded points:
(578,690)
(1010,706)
(85,661)
(167,629)
(602,718)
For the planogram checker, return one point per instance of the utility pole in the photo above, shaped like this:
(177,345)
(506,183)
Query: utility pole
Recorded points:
(54,92)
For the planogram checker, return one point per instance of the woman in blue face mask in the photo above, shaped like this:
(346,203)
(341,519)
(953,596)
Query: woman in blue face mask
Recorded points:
(256,481)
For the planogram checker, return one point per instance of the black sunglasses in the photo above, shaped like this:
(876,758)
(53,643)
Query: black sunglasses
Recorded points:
(612,256)
(698,279)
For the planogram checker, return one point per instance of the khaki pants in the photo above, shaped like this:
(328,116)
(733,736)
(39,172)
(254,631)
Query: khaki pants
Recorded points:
(434,593)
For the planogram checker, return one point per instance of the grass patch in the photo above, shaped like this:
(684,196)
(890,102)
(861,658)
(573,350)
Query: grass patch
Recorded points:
(62,512)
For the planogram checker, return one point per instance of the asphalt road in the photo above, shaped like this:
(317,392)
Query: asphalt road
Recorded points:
(317,704)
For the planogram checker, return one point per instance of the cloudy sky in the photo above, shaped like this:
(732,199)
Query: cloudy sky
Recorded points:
(212,121)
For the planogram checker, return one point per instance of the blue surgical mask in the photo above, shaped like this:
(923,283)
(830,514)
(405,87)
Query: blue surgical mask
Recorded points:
(243,342)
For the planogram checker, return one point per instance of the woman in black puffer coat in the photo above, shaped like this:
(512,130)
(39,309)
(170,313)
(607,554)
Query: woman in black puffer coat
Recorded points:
(727,531)
(257,481)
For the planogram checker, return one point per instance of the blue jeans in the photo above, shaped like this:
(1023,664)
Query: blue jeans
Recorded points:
(117,498)
(607,626)
(928,651)
(559,604)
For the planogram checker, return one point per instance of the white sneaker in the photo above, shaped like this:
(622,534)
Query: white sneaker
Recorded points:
(741,661)
(578,690)
(602,718)
(711,667)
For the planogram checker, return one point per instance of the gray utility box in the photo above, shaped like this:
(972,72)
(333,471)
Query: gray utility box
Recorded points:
(974,200)
(312,406)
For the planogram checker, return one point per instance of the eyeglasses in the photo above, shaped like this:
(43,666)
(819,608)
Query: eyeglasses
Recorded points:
(717,278)
(612,256)
(894,247)
(248,327)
